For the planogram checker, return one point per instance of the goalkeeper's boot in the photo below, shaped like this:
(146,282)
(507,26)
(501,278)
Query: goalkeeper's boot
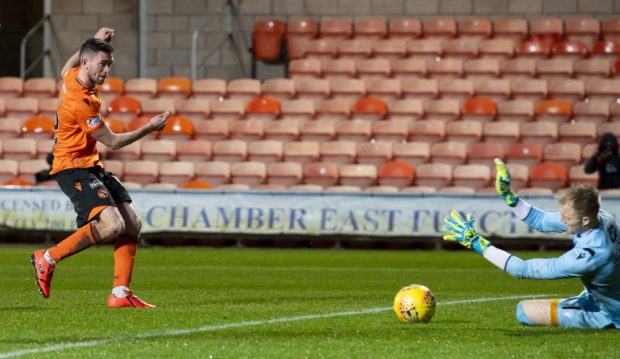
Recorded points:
(43,272)
(128,301)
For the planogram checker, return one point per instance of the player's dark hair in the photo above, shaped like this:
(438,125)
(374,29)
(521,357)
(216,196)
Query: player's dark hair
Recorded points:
(585,199)
(93,46)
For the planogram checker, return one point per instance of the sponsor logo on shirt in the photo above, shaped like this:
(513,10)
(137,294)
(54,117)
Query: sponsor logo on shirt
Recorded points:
(93,121)
(96,183)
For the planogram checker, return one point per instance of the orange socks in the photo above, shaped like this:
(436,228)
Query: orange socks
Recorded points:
(76,242)
(124,256)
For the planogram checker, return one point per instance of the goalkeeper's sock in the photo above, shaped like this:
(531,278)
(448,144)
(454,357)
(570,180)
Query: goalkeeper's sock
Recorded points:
(124,257)
(81,239)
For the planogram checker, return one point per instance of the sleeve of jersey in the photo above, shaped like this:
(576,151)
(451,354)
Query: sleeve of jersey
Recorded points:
(544,222)
(574,263)
(89,118)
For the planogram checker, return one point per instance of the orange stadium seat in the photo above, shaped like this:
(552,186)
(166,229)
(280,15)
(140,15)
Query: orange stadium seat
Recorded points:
(302,27)
(579,132)
(453,153)
(340,152)
(518,68)
(10,127)
(571,90)
(549,30)
(390,49)
(425,49)
(47,106)
(131,152)
(429,131)
(321,49)
(413,153)
(230,151)
(3,106)
(355,130)
(11,87)
(248,173)
(142,172)
(482,68)
(436,175)
(568,154)
(158,150)
(610,29)
(421,89)
(496,49)
(27,169)
(527,154)
(312,89)
(542,132)
(548,175)
(214,172)
(284,130)
(471,175)
(408,69)
(377,68)
(44,147)
(359,175)
(460,48)
(384,89)
(553,110)
(302,152)
(396,173)
(467,131)
(439,27)
(193,150)
(304,68)
(338,68)
(39,87)
(583,29)
(504,132)
(374,153)
(347,89)
(212,130)
(370,107)
(263,108)
(391,130)
(284,173)
(479,108)
(115,167)
(613,127)
(297,109)
(576,175)
(209,89)
(124,107)
(405,109)
(446,110)
(606,48)
(354,49)
(154,106)
(406,28)
(174,87)
(554,68)
(603,90)
(484,153)
(22,108)
(519,176)
(478,28)
(279,88)
(515,110)
(323,174)
(232,109)
(111,88)
(243,89)
(141,88)
(193,108)
(614,113)
(176,172)
(370,28)
(178,128)
(115,125)
(38,127)
(456,89)
(8,169)
(515,29)
(336,27)
(336,109)
(594,67)
(196,185)
(570,49)
(445,68)
(495,89)
(591,111)
(267,39)
(528,89)
(317,130)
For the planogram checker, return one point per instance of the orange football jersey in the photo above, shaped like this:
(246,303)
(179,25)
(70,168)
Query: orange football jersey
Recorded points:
(77,117)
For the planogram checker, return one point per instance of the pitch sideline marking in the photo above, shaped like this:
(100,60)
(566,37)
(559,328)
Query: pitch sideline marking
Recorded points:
(214,328)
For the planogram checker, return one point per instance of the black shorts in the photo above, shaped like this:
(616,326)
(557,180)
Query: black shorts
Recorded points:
(91,190)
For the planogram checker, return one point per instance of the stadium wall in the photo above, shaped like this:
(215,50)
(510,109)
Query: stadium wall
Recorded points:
(170,25)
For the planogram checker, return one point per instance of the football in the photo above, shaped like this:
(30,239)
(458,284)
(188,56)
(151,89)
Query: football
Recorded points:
(414,303)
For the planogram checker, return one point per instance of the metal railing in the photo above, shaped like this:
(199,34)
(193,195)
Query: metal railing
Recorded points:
(229,10)
(23,70)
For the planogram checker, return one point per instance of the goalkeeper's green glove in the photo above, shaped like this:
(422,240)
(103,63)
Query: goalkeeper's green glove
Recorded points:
(464,232)
(502,184)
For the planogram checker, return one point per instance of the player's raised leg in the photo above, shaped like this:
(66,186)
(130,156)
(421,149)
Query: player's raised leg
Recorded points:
(124,257)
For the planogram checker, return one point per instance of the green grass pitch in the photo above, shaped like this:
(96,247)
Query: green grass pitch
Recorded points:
(267,303)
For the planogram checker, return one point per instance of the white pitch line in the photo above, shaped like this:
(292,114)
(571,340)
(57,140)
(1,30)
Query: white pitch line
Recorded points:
(214,328)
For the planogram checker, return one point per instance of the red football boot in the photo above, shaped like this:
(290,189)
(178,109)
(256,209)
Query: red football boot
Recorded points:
(128,301)
(43,272)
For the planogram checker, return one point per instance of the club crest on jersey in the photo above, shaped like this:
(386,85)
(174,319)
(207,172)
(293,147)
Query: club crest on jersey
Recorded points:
(102,193)
(93,121)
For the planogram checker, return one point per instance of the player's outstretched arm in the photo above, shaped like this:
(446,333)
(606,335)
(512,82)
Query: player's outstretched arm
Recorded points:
(464,231)
(106,34)
(120,140)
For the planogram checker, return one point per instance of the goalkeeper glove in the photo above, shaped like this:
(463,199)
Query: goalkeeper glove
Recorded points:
(502,184)
(464,232)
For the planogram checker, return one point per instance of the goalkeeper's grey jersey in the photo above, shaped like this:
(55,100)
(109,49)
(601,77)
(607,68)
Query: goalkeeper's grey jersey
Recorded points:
(595,258)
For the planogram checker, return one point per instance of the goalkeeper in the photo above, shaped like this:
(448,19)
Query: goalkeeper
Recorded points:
(595,257)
